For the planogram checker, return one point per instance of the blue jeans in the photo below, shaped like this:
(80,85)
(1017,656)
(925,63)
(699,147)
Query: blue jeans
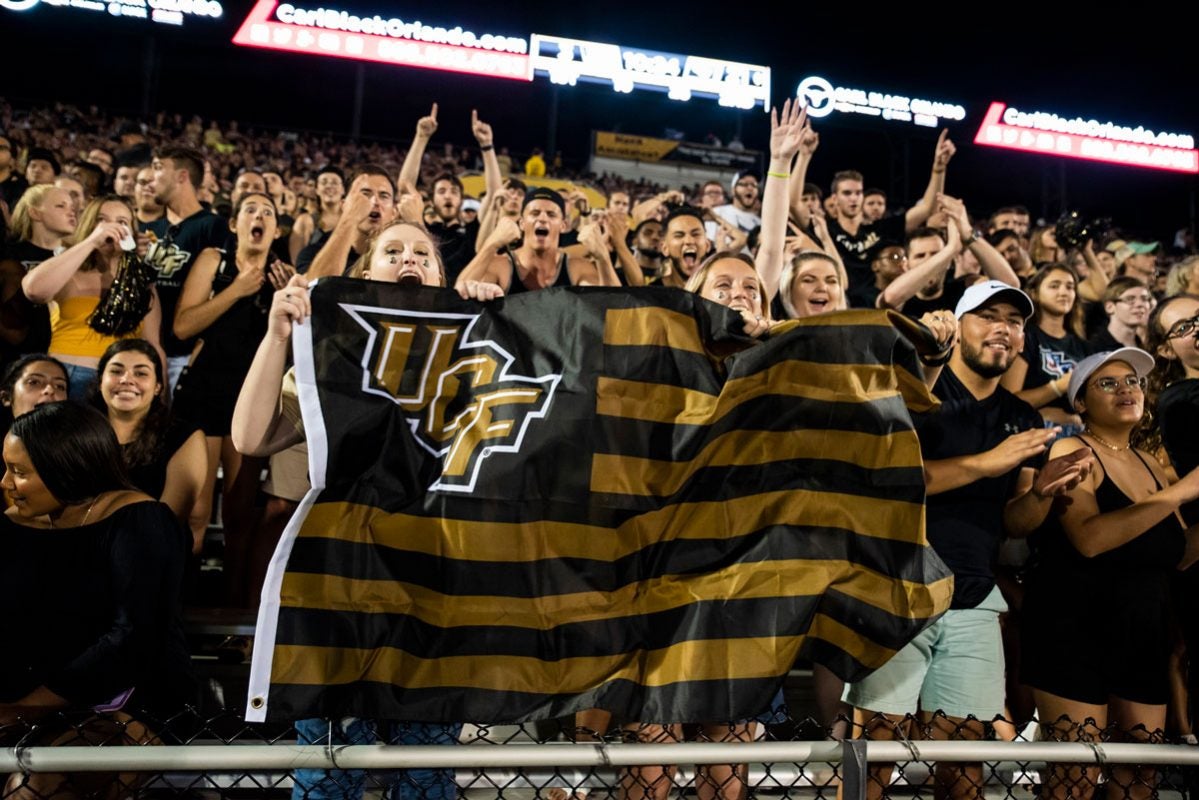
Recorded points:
(347,784)
(79,381)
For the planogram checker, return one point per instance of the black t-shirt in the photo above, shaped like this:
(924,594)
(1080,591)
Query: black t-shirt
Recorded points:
(119,624)
(1102,341)
(1051,357)
(158,227)
(855,250)
(965,525)
(951,293)
(151,478)
(172,257)
(21,312)
(11,189)
(1177,409)
(456,243)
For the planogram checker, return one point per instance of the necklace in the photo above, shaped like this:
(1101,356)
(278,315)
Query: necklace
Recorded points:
(87,514)
(1105,442)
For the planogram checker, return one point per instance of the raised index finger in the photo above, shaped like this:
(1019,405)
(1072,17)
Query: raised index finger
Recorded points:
(940,139)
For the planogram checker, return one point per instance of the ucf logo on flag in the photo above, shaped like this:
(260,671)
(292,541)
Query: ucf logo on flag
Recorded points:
(590,498)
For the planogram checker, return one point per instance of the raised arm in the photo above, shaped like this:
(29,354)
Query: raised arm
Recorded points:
(909,283)
(425,128)
(799,177)
(491,164)
(43,283)
(596,269)
(618,237)
(918,214)
(331,260)
(786,136)
(993,264)
(486,276)
(1095,285)
(259,427)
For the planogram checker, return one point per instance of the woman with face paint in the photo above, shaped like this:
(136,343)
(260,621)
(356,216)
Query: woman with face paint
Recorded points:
(267,421)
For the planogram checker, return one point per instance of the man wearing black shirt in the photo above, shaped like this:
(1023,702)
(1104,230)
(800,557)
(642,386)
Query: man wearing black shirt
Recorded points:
(370,205)
(978,449)
(1127,302)
(177,172)
(853,236)
(457,240)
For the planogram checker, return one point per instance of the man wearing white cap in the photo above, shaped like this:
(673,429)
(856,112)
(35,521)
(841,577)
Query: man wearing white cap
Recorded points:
(978,451)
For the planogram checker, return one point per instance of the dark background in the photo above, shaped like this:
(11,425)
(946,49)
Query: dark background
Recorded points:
(1066,61)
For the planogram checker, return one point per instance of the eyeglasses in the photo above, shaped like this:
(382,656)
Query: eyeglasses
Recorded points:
(896,257)
(1143,299)
(1110,385)
(1184,327)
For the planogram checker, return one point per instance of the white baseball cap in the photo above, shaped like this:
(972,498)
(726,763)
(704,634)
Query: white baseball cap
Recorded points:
(1140,361)
(981,293)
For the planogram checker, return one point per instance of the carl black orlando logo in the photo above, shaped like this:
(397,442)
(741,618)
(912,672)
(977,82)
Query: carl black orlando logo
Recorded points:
(458,391)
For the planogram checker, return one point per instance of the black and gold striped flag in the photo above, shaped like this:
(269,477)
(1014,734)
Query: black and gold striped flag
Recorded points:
(590,498)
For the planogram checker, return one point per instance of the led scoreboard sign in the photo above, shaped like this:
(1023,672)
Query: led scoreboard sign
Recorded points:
(166,12)
(567,61)
(1051,135)
(389,40)
(823,98)
(328,31)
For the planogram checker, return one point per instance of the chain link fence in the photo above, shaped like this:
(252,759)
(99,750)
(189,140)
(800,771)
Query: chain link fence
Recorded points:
(213,753)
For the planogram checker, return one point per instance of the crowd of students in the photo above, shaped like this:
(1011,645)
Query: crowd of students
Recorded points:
(1060,467)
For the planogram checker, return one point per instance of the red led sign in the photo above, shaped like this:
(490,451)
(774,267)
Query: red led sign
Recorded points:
(1050,135)
(338,35)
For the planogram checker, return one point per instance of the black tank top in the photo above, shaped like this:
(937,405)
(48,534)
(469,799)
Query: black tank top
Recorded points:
(516,285)
(1159,548)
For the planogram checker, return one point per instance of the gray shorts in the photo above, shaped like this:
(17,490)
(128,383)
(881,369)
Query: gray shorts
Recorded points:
(955,666)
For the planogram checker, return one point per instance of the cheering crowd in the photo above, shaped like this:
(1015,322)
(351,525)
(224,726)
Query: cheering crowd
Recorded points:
(152,274)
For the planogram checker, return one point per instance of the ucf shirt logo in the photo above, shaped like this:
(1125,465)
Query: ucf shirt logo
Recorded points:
(458,392)
(167,259)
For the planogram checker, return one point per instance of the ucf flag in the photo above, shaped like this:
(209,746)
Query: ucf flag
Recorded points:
(581,498)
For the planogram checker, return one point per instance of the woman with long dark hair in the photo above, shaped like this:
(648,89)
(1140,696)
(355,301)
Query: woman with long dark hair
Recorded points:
(90,573)
(1096,630)
(166,457)
(224,303)
(1053,345)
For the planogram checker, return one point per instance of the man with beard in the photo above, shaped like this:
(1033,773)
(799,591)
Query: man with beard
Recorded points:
(178,173)
(979,448)
(874,205)
(537,263)
(685,244)
(369,205)
(456,239)
(743,211)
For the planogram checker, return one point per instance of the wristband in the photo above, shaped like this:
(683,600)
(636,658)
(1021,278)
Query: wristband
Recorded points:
(487,147)
(783,175)
(937,359)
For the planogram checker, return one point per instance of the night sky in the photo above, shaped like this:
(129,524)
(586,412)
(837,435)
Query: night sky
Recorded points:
(1134,72)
